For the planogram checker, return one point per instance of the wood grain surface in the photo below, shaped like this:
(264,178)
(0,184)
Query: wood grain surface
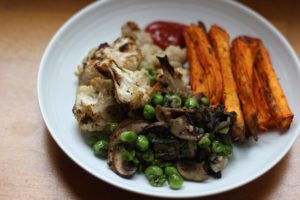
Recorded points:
(32,166)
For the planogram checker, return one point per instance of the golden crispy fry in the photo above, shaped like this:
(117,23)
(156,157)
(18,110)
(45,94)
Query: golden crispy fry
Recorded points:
(243,70)
(210,80)
(220,42)
(280,110)
(264,118)
(196,72)
(209,62)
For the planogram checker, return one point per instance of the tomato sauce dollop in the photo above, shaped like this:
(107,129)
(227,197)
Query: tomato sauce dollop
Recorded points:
(165,33)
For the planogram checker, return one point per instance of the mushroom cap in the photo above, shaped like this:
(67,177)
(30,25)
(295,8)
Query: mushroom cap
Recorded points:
(179,121)
(122,167)
(181,128)
(191,170)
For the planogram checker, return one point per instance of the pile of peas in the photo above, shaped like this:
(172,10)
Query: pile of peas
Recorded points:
(174,101)
(156,173)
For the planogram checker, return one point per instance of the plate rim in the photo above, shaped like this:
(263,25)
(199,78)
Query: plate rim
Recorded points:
(61,145)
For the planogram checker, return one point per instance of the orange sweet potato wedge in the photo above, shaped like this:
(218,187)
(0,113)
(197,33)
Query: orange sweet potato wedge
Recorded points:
(242,68)
(208,60)
(197,76)
(280,110)
(220,42)
(264,117)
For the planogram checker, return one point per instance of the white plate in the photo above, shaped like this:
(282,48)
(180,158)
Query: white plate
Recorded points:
(100,22)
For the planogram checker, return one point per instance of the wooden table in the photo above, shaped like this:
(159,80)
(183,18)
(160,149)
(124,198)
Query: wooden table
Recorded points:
(32,166)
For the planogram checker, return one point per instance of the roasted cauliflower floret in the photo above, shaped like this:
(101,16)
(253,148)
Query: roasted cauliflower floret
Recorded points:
(131,87)
(95,105)
(123,51)
(86,71)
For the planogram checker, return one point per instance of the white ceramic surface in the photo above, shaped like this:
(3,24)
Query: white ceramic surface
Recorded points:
(101,22)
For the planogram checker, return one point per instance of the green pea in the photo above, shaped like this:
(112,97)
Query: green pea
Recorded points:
(129,137)
(204,141)
(149,111)
(175,101)
(92,140)
(155,176)
(126,155)
(166,100)
(175,181)
(113,126)
(224,130)
(158,99)
(148,156)
(169,170)
(227,150)
(205,101)
(160,163)
(136,161)
(190,102)
(152,73)
(142,143)
(217,147)
(100,148)
(153,170)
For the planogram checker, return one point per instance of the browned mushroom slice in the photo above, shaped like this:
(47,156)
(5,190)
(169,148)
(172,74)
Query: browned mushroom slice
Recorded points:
(117,164)
(191,170)
(179,121)
(181,128)
(122,167)
(165,113)
(166,152)
(156,127)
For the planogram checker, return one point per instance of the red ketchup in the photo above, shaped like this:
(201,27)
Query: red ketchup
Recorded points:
(165,33)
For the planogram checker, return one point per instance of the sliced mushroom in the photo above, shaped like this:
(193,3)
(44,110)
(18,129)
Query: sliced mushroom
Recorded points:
(159,127)
(181,128)
(166,152)
(165,113)
(179,121)
(191,170)
(122,167)
(219,119)
(117,164)
(188,150)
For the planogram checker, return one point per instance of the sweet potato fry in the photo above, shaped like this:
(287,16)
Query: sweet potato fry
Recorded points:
(196,72)
(243,70)
(220,42)
(209,62)
(273,92)
(264,117)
